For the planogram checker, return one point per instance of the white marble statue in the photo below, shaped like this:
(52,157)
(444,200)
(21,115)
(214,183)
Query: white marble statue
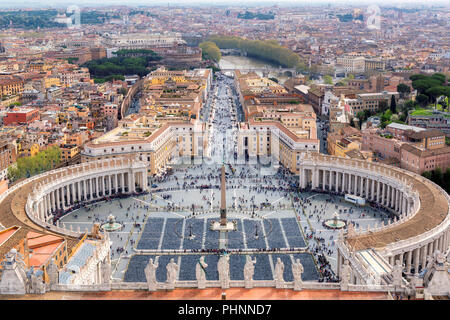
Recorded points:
(200,273)
(345,275)
(35,283)
(223,267)
(279,270)
(249,270)
(150,275)
(397,273)
(52,272)
(440,276)
(172,271)
(297,270)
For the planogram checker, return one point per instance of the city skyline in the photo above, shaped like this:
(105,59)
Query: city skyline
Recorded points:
(250,3)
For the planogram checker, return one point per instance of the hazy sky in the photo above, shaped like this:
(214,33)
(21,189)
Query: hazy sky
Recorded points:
(59,3)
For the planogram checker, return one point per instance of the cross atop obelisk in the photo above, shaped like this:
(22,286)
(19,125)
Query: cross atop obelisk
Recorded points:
(223,202)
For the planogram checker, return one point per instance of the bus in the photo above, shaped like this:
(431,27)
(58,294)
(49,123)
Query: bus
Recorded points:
(355,199)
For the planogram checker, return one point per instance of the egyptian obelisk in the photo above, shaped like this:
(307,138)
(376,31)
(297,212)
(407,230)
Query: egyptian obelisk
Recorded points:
(223,201)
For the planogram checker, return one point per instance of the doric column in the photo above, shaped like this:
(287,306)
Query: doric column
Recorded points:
(362,191)
(336,185)
(396,194)
(79,191)
(323,179)
(383,194)
(39,209)
(144,180)
(408,261)
(424,255)
(95,186)
(90,189)
(72,186)
(103,182)
(65,195)
(391,196)
(388,196)
(416,260)
(396,200)
(58,203)
(52,201)
(84,182)
(378,195)
(446,239)
(302,178)
(49,205)
(131,181)
(44,206)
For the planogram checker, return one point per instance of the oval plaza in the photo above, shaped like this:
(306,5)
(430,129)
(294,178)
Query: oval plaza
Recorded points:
(233,223)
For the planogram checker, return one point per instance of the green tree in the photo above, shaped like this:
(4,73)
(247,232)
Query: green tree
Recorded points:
(427,174)
(210,51)
(415,77)
(403,89)
(422,100)
(423,85)
(382,106)
(446,180)
(28,166)
(328,79)
(361,117)
(436,92)
(393,106)
(267,50)
(436,176)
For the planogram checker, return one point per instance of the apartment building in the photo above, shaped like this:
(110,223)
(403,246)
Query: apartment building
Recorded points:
(154,142)
(271,139)
(10,85)
(430,119)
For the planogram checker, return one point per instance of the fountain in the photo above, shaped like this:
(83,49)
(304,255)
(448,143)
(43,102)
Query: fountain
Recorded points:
(335,222)
(111,224)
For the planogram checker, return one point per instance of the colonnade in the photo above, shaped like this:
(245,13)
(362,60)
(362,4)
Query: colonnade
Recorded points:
(414,259)
(387,193)
(89,183)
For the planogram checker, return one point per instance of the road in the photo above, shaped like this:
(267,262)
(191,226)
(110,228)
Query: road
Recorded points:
(221,115)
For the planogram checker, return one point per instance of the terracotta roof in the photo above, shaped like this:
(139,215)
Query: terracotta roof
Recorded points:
(425,153)
(424,134)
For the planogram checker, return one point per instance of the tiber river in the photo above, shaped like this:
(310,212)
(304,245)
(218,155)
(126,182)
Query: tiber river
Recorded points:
(240,62)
